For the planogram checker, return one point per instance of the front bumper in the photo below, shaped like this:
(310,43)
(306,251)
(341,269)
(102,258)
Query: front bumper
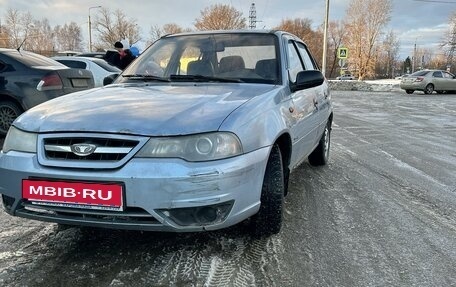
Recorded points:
(155,189)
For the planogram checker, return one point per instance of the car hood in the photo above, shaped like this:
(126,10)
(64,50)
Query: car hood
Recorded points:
(152,110)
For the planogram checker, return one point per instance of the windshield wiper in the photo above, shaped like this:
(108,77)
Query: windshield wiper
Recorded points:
(146,77)
(201,78)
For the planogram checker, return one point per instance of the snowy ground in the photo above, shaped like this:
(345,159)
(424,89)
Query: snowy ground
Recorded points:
(381,213)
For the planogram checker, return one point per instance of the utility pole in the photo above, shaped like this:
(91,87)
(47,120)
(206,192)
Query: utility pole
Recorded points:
(325,39)
(90,28)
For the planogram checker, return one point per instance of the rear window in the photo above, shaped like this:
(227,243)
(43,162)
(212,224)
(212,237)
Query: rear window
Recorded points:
(420,73)
(73,64)
(106,66)
(32,59)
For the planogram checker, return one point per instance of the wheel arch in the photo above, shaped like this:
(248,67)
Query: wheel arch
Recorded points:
(285,146)
(6,97)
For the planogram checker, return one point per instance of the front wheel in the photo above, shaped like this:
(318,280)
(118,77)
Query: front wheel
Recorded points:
(268,220)
(429,89)
(9,111)
(320,154)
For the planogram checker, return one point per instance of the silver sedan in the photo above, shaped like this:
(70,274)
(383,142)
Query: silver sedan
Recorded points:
(429,81)
(199,133)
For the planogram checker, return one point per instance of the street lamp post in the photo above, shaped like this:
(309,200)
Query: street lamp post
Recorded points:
(90,28)
(325,39)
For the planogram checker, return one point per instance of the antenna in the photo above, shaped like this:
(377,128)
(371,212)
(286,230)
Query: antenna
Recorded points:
(19,48)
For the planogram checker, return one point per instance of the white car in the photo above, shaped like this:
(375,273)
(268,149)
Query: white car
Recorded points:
(99,67)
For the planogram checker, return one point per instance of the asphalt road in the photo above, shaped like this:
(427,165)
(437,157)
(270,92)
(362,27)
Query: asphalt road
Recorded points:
(382,213)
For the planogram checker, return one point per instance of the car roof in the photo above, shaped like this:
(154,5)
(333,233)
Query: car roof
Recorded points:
(240,31)
(29,58)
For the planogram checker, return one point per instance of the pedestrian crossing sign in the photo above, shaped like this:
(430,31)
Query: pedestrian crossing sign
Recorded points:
(342,53)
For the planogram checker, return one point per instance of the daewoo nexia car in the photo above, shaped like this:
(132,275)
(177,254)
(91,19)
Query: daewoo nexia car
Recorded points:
(429,81)
(199,133)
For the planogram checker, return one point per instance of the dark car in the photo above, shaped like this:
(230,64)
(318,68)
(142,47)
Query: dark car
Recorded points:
(28,79)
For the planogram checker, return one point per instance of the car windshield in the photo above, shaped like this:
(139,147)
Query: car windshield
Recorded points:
(238,57)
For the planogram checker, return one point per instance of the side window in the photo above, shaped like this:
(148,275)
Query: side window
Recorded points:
(294,62)
(308,62)
(437,75)
(2,67)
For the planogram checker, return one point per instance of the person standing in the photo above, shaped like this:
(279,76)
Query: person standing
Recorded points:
(120,58)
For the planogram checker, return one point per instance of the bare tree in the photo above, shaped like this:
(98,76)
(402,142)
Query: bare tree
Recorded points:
(13,27)
(337,34)
(4,37)
(68,37)
(114,26)
(40,37)
(388,56)
(220,17)
(171,28)
(302,28)
(365,21)
(449,42)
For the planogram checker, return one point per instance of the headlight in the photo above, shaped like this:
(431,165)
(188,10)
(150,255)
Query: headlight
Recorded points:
(20,141)
(201,147)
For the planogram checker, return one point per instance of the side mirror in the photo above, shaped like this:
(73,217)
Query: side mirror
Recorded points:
(109,79)
(308,79)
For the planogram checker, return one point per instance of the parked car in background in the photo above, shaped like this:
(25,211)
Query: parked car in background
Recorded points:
(345,77)
(99,67)
(28,79)
(199,133)
(429,81)
(99,55)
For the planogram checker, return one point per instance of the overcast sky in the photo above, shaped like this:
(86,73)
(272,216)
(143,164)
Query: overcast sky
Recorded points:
(423,22)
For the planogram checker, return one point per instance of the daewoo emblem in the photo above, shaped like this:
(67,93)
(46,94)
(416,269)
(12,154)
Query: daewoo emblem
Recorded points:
(83,149)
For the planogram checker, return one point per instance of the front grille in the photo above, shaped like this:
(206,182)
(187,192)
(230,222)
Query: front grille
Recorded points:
(106,149)
(132,215)
(94,151)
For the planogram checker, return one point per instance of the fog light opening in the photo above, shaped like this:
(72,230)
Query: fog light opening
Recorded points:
(199,216)
(208,214)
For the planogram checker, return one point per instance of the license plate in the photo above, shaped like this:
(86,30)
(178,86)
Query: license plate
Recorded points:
(79,83)
(104,196)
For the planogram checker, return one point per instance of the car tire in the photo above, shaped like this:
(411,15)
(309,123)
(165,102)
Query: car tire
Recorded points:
(409,91)
(320,155)
(9,111)
(268,220)
(429,89)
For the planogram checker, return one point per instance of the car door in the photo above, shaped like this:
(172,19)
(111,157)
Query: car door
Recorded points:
(304,110)
(322,92)
(438,81)
(450,81)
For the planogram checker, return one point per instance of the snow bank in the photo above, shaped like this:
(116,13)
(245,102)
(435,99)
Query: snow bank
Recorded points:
(368,85)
